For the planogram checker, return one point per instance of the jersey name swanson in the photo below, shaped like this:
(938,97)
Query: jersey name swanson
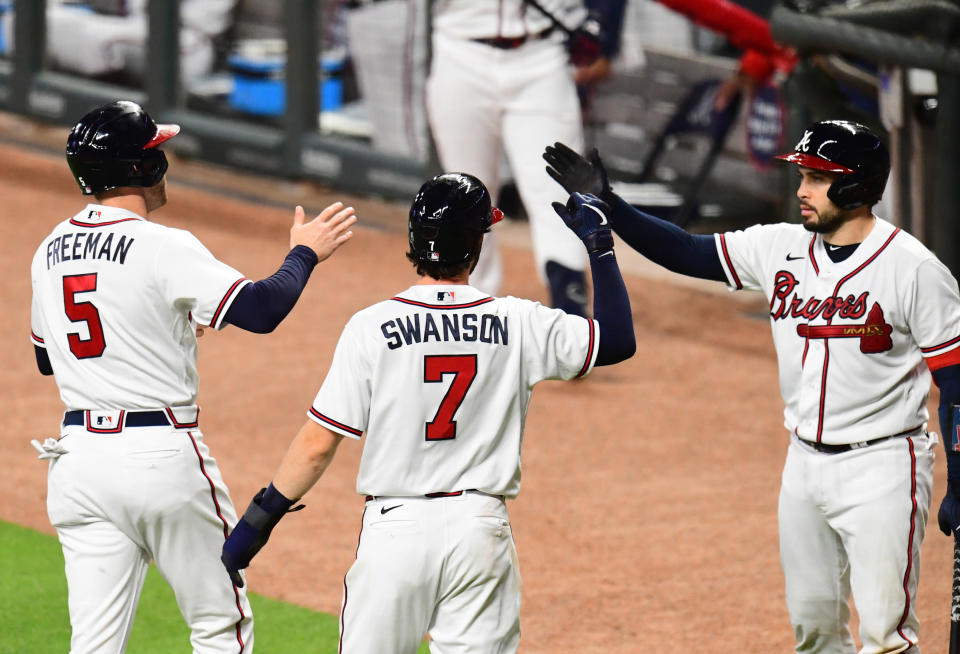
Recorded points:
(424,327)
(85,245)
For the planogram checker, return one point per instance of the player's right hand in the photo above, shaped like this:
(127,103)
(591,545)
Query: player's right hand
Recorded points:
(325,233)
(575,173)
(586,216)
(948,517)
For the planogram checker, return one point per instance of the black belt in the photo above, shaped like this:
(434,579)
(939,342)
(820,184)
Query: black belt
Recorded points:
(131,418)
(509,43)
(828,448)
(368,498)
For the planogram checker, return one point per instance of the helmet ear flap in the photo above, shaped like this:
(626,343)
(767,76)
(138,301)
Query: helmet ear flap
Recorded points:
(856,190)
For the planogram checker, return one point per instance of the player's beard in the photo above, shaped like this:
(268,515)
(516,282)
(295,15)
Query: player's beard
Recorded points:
(156,196)
(826,221)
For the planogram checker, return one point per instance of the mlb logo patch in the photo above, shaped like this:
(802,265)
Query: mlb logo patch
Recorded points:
(106,421)
(93,215)
(444,296)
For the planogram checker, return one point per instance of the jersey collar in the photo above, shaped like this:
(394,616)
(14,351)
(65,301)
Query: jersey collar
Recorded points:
(98,215)
(443,296)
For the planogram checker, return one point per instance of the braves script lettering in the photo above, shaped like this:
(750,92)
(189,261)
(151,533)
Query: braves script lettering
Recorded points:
(784,303)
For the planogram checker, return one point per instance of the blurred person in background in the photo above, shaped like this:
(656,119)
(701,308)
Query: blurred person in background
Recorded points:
(108,38)
(502,81)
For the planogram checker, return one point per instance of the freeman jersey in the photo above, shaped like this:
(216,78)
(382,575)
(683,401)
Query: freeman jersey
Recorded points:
(481,19)
(111,346)
(855,340)
(440,378)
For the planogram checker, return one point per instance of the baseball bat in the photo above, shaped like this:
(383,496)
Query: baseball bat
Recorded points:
(955,600)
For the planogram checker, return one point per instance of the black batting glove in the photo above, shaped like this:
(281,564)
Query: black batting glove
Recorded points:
(575,173)
(253,530)
(948,517)
(586,216)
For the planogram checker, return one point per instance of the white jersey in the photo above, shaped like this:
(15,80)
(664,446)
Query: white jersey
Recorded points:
(479,19)
(854,339)
(440,378)
(110,346)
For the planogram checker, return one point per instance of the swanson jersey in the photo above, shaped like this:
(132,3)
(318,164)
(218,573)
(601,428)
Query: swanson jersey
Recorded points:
(856,339)
(440,378)
(116,303)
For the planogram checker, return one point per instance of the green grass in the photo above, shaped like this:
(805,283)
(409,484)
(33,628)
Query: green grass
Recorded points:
(34,618)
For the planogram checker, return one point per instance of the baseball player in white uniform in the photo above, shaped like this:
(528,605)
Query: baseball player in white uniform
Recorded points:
(439,378)
(500,83)
(861,314)
(117,303)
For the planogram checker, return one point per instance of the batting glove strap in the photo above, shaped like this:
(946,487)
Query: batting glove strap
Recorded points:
(599,241)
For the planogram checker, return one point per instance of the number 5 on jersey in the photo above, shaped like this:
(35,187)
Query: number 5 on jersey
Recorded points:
(83,312)
(463,367)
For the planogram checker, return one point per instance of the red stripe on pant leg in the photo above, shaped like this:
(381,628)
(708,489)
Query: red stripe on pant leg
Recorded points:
(343,609)
(913,516)
(226,532)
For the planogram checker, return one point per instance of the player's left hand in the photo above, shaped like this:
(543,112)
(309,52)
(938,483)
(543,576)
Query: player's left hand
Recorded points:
(325,233)
(948,516)
(586,215)
(575,173)
(253,530)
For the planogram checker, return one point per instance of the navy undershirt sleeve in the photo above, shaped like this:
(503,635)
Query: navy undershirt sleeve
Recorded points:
(261,306)
(43,360)
(948,380)
(664,243)
(611,309)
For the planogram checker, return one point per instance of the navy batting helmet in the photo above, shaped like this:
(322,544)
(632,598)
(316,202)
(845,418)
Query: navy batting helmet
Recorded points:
(448,219)
(115,145)
(848,148)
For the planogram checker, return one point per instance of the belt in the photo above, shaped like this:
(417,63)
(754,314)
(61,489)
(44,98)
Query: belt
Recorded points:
(431,496)
(154,418)
(828,448)
(510,43)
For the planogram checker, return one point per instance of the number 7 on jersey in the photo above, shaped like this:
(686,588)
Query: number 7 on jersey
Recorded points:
(463,367)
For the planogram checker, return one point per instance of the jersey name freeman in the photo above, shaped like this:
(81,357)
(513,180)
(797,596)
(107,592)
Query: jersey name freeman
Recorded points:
(86,245)
(423,328)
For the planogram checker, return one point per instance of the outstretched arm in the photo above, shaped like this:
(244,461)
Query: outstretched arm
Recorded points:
(586,216)
(306,459)
(261,306)
(948,380)
(660,241)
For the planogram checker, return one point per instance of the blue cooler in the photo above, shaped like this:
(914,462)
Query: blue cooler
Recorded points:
(259,82)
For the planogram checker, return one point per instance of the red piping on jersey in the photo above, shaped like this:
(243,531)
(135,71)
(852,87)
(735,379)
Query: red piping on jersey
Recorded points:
(913,515)
(934,348)
(223,302)
(943,360)
(226,531)
(35,337)
(343,609)
(112,222)
(467,305)
(726,256)
(813,259)
(586,364)
(334,423)
(826,341)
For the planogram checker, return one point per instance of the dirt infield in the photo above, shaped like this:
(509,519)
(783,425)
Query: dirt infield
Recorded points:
(647,519)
